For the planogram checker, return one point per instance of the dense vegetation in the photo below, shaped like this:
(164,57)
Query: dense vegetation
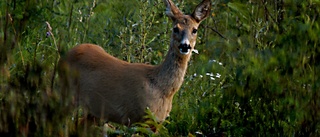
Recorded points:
(256,73)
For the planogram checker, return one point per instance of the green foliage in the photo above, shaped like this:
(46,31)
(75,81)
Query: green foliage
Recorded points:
(256,74)
(149,128)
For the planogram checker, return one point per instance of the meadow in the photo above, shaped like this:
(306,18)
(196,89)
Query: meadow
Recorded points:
(255,72)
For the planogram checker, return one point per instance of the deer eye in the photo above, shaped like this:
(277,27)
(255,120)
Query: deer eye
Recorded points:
(194,31)
(176,30)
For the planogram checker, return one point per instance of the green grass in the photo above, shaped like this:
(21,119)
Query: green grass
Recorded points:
(256,74)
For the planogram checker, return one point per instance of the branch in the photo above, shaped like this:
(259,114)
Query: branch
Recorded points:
(216,31)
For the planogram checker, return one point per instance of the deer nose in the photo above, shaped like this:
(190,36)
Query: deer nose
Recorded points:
(184,45)
(184,48)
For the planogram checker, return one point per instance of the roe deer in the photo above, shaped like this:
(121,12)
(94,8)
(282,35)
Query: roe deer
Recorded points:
(118,91)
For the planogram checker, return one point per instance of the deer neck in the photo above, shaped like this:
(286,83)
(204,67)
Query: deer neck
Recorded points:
(170,74)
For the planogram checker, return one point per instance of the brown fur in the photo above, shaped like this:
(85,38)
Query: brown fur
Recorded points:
(119,91)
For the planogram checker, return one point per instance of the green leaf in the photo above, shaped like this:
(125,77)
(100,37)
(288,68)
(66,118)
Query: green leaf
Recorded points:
(100,8)
(239,8)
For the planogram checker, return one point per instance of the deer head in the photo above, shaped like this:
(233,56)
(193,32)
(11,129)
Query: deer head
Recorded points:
(185,27)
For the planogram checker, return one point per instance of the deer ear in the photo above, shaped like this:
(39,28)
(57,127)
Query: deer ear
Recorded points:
(171,9)
(202,11)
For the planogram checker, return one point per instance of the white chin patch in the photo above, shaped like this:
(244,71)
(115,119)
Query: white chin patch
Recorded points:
(184,47)
(184,52)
